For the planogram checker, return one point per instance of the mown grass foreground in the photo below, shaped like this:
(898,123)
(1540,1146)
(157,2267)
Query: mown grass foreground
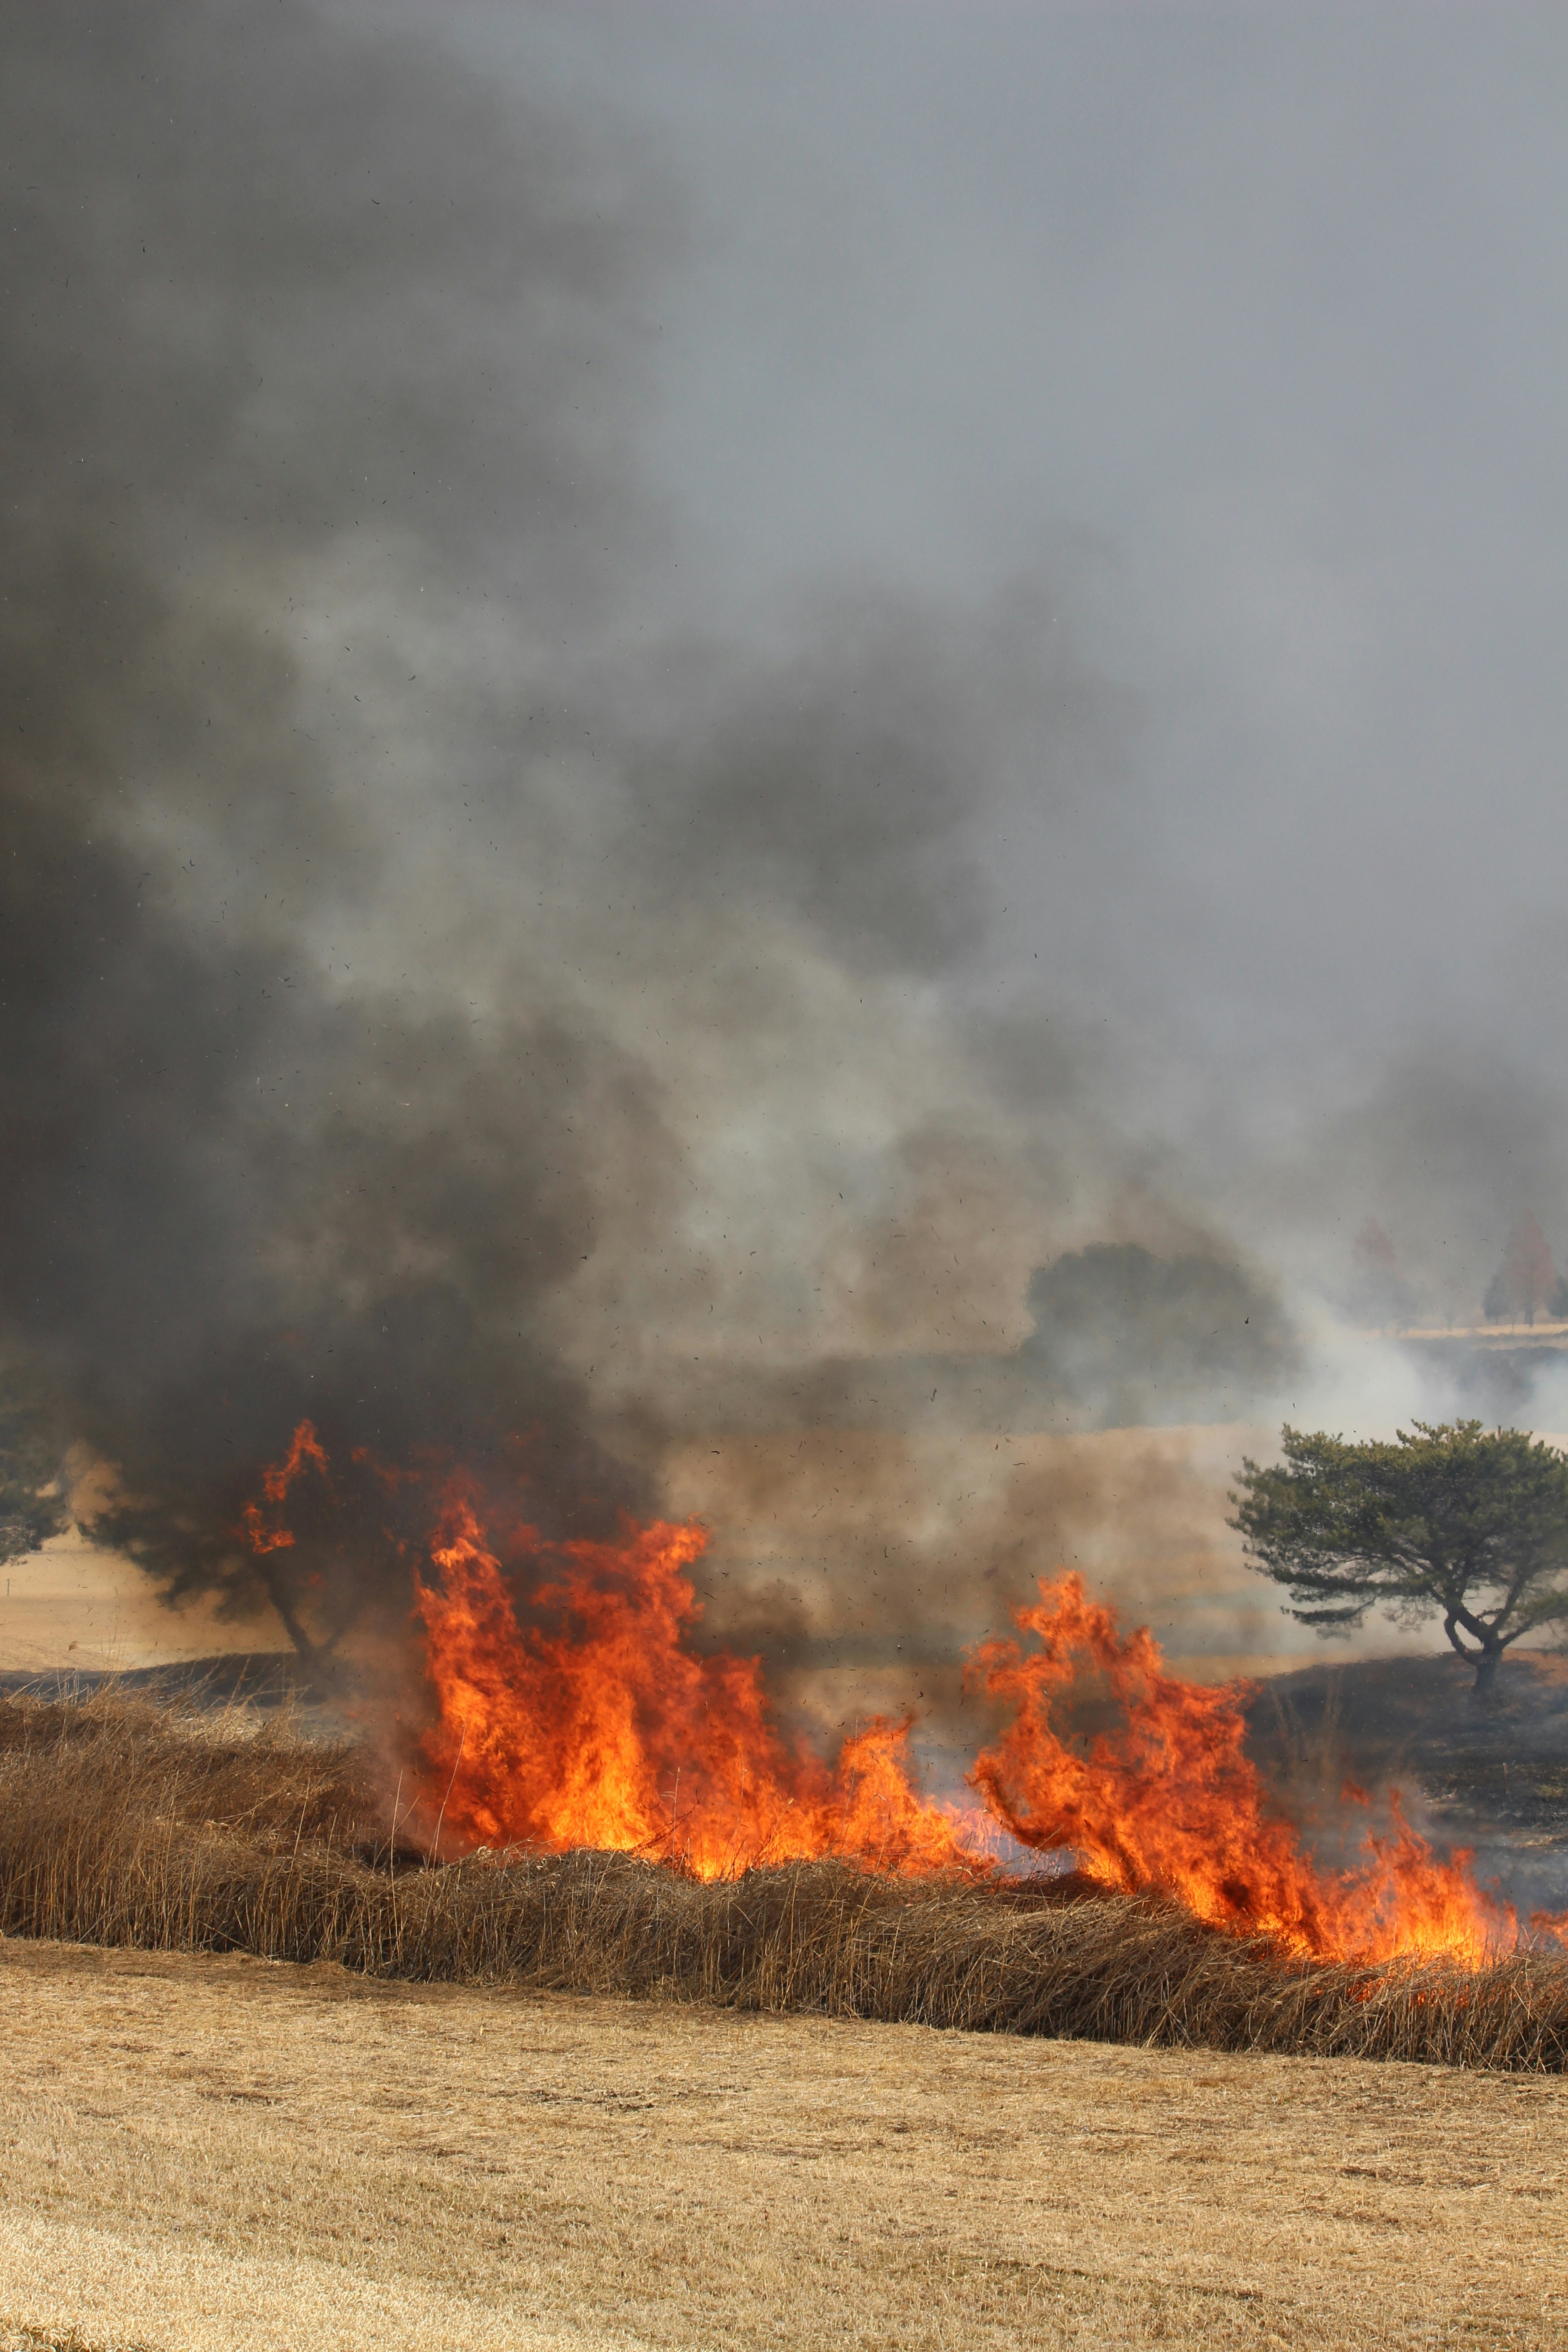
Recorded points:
(125,1824)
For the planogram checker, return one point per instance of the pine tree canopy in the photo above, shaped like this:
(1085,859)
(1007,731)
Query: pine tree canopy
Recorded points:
(1452,1517)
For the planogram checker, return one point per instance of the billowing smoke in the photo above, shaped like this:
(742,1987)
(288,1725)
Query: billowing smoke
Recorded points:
(455,996)
(307,352)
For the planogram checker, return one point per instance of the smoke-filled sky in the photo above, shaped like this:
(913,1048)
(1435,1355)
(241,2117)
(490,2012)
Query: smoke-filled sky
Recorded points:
(1241,330)
(693,692)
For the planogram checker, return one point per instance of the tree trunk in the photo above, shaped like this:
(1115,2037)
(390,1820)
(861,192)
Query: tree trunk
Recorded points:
(1487,1663)
(1486,1659)
(277,1593)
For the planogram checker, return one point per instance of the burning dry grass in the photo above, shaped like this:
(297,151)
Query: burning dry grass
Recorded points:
(122,1823)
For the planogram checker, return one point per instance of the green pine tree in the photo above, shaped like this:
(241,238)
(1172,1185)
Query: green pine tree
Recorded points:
(1470,1522)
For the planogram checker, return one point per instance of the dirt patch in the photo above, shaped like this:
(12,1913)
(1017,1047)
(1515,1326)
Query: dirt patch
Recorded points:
(216,2153)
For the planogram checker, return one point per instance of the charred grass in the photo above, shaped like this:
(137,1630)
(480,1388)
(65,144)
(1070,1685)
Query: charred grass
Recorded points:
(123,1822)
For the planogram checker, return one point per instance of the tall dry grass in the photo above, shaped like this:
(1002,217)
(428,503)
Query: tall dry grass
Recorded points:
(122,1823)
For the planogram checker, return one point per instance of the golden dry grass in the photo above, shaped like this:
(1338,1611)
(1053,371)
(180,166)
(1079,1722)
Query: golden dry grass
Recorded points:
(401,2129)
(210,2155)
(123,1825)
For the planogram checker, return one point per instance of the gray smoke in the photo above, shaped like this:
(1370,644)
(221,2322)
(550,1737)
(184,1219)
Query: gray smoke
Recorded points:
(326,796)
(302,337)
(470,987)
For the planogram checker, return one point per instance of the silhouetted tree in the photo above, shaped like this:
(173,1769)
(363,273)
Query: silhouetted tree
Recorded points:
(32,1483)
(1456,1517)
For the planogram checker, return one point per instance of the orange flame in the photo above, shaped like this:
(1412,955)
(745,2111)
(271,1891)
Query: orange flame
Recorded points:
(276,1480)
(594,1722)
(1168,1798)
(598,1725)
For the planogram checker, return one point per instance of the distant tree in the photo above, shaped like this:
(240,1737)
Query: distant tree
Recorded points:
(1455,1517)
(1139,1338)
(1527,1283)
(1379,1292)
(292,1534)
(32,1484)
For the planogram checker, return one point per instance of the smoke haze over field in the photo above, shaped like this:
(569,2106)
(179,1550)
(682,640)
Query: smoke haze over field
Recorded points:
(773,738)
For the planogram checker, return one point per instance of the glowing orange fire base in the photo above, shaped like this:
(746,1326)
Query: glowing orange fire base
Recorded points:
(591,1721)
(1170,1800)
(612,1733)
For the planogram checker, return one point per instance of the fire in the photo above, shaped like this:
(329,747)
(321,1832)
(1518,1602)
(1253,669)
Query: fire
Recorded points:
(573,1709)
(596,1724)
(276,1481)
(1165,1796)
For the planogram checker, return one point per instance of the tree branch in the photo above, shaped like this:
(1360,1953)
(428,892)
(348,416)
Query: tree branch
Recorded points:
(1470,1656)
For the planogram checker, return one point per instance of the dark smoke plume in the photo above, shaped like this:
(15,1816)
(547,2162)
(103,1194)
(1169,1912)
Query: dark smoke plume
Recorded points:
(280,302)
(445,1000)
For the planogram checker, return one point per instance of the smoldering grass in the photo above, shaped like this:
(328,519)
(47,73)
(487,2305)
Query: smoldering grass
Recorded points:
(123,1822)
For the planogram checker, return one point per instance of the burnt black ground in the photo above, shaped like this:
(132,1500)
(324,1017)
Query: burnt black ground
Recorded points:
(1488,1773)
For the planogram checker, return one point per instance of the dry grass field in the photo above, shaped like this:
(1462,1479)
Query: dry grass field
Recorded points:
(230,2153)
(269,2081)
(124,1824)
